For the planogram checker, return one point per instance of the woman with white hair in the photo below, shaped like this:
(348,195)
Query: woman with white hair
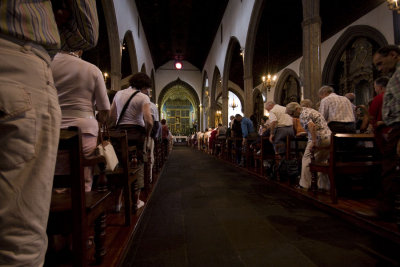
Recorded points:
(318,135)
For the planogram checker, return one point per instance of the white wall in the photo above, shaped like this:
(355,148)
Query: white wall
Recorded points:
(235,23)
(167,74)
(127,19)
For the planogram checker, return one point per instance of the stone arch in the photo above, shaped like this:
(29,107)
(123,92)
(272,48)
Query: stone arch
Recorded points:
(114,44)
(251,38)
(131,49)
(233,42)
(258,107)
(179,87)
(154,92)
(216,81)
(341,44)
(143,68)
(287,88)
(205,90)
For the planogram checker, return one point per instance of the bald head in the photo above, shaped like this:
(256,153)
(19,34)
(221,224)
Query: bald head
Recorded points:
(350,96)
(269,105)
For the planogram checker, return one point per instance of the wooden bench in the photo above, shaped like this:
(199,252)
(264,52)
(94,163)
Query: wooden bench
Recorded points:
(349,154)
(266,152)
(72,210)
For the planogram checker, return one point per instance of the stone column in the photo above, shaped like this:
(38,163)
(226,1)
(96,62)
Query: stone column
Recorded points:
(311,49)
(212,110)
(225,104)
(248,96)
(201,116)
(115,81)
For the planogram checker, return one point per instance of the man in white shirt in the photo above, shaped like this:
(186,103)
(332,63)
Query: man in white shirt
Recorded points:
(137,121)
(281,125)
(337,111)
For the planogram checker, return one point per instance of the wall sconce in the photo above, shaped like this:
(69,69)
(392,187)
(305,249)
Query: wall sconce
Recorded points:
(393,5)
(105,74)
(268,81)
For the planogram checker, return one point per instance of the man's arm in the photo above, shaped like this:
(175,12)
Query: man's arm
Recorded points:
(81,30)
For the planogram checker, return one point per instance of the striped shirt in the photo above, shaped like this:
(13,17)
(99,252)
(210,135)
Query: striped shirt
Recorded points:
(391,99)
(34,21)
(336,108)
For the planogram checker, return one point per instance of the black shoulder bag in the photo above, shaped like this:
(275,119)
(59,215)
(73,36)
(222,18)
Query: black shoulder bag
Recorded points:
(125,107)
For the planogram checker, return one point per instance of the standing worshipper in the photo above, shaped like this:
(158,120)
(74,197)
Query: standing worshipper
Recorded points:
(281,125)
(137,121)
(375,108)
(319,134)
(387,61)
(30,117)
(157,131)
(337,111)
(80,86)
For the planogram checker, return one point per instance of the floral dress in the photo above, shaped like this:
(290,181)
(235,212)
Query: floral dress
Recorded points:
(322,129)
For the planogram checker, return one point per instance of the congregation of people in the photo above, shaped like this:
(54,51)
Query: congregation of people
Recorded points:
(333,114)
(47,86)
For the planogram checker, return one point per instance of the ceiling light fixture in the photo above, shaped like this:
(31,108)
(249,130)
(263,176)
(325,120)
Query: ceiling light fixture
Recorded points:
(178,65)
(268,81)
(233,105)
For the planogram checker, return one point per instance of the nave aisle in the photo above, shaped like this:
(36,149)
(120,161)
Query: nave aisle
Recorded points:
(205,212)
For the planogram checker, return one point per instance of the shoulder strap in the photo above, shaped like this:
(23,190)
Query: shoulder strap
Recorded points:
(126,106)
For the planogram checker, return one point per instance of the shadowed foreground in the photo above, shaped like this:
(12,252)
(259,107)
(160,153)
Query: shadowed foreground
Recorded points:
(205,212)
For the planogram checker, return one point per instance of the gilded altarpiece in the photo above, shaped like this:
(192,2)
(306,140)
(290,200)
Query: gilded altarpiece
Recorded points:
(354,72)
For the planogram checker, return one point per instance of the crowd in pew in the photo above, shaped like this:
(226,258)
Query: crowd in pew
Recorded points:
(28,165)
(334,114)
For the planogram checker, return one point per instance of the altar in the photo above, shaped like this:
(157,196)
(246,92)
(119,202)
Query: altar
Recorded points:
(180,139)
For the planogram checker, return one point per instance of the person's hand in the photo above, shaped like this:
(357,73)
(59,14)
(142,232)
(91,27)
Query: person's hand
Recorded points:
(271,138)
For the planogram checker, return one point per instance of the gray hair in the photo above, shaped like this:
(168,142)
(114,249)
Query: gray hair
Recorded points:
(307,103)
(291,107)
(325,89)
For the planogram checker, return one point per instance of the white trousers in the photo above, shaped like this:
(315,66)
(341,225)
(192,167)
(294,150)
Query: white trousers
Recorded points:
(305,178)
(29,133)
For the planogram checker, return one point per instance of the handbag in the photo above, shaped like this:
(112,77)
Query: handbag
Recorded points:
(106,149)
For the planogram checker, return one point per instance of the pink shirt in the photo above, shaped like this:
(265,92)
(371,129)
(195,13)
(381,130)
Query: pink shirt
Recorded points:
(80,88)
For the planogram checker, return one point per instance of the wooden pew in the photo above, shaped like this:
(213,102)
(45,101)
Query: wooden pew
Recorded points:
(265,153)
(120,177)
(346,156)
(73,211)
(220,146)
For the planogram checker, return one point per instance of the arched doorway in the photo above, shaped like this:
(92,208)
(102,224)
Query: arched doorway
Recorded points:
(179,103)
(258,108)
(348,68)
(288,88)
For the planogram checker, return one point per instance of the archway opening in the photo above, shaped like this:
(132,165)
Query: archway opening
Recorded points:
(179,104)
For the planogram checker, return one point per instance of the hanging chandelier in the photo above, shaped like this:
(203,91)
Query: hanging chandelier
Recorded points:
(233,105)
(268,81)
(393,5)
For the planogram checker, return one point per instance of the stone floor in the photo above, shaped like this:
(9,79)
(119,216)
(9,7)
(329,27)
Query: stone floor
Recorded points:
(204,212)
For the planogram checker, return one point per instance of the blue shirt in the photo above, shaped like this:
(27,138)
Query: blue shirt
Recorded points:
(247,127)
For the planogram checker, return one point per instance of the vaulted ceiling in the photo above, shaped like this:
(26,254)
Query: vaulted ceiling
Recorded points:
(180,29)
(185,29)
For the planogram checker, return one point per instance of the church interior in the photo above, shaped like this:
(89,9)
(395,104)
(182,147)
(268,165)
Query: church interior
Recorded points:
(212,201)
